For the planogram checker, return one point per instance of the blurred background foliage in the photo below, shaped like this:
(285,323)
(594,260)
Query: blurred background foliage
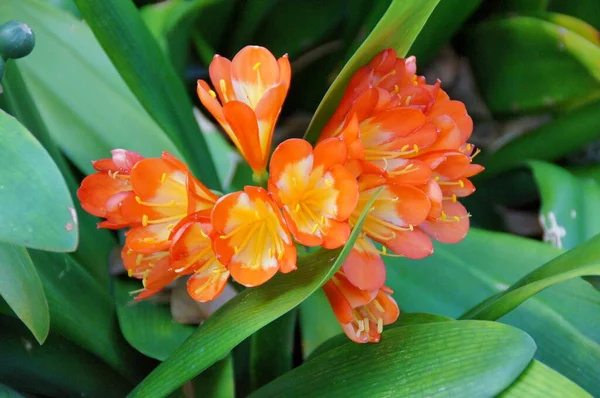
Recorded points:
(529,73)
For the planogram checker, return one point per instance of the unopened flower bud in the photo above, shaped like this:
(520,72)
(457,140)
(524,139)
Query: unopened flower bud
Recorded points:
(16,39)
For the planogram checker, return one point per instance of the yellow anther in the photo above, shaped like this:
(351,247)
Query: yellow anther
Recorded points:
(163,178)
(461,183)
(256,214)
(129,251)
(416,148)
(314,228)
(145,220)
(393,72)
(280,255)
(396,89)
(436,178)
(138,259)
(410,227)
(443,216)
(297,207)
(170,226)
(477,152)
(270,252)
(236,250)
(404,148)
(407,102)
(366,323)
(212,93)
(328,182)
(256,66)
(379,325)
(378,306)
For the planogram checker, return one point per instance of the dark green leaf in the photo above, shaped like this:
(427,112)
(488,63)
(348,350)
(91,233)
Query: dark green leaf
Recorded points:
(271,350)
(251,16)
(563,319)
(470,359)
(57,368)
(243,315)
(317,322)
(444,22)
(37,210)
(540,381)
(84,103)
(569,213)
(583,260)
(150,76)
(146,325)
(588,10)
(397,29)
(21,288)
(216,381)
(94,244)
(7,392)
(563,135)
(83,312)
(497,47)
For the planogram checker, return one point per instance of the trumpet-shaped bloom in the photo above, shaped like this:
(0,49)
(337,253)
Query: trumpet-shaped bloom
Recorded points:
(248,96)
(251,237)
(152,268)
(316,192)
(102,193)
(361,313)
(165,193)
(192,253)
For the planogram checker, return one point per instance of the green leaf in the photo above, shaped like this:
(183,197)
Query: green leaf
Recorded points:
(83,312)
(575,25)
(37,208)
(497,47)
(519,6)
(470,359)
(337,339)
(216,381)
(583,260)
(317,322)
(271,350)
(21,288)
(562,320)
(569,213)
(94,243)
(540,381)
(444,22)
(146,325)
(243,315)
(564,135)
(89,110)
(292,27)
(588,10)
(151,77)
(397,29)
(58,368)
(252,16)
(7,392)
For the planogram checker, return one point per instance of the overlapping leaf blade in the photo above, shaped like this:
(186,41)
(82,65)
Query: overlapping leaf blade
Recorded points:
(28,176)
(21,288)
(437,359)
(150,76)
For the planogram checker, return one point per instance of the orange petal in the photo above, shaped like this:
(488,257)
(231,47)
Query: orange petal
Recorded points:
(457,111)
(151,238)
(161,275)
(288,261)
(220,70)
(390,312)
(213,106)
(205,287)
(149,178)
(97,189)
(249,276)
(337,235)
(449,231)
(267,111)
(364,270)
(347,186)
(340,306)
(296,153)
(244,125)
(412,244)
(253,71)
(411,207)
(329,152)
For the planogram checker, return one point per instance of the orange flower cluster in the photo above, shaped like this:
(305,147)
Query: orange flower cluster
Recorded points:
(391,130)
(409,138)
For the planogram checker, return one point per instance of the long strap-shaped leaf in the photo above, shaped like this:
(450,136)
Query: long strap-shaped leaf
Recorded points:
(397,29)
(444,359)
(243,315)
(137,56)
(584,260)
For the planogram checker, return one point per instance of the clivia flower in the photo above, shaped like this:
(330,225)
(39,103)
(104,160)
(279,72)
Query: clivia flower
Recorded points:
(315,191)
(361,313)
(251,237)
(248,96)
(192,253)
